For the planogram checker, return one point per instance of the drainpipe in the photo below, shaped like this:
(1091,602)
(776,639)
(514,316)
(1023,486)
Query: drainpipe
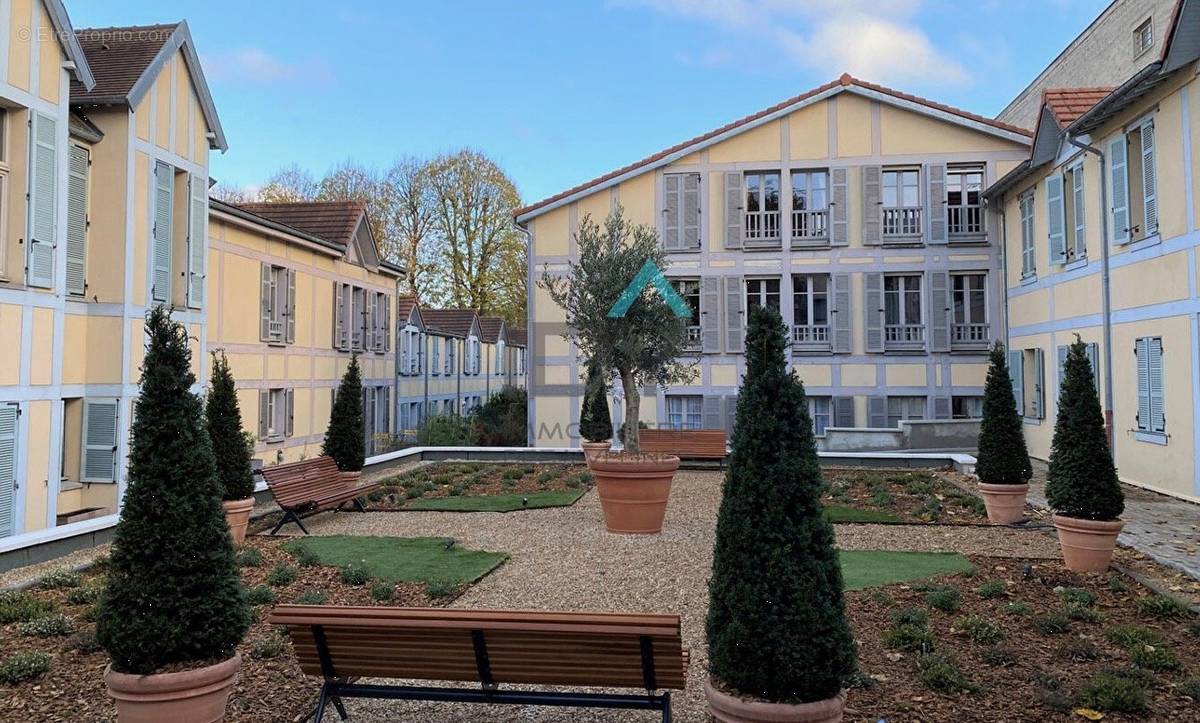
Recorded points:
(1106,295)
(1003,270)
(425,403)
(459,360)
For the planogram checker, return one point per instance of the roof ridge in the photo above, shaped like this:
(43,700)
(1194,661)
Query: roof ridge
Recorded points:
(154,26)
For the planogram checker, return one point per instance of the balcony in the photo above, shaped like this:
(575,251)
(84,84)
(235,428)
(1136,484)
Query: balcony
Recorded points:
(810,228)
(902,224)
(810,337)
(694,336)
(904,337)
(761,228)
(965,223)
(275,331)
(970,336)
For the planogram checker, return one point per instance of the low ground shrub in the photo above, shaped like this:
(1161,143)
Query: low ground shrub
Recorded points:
(19,606)
(991,590)
(1150,657)
(1126,636)
(940,672)
(1082,613)
(1055,623)
(85,594)
(312,597)
(1077,649)
(356,575)
(382,591)
(59,578)
(1076,596)
(1017,608)
(998,656)
(281,576)
(945,599)
(85,642)
(260,595)
(269,647)
(909,638)
(52,626)
(23,666)
(1116,584)
(249,557)
(1162,607)
(440,588)
(910,616)
(545,477)
(1139,676)
(979,629)
(1189,688)
(305,557)
(1110,693)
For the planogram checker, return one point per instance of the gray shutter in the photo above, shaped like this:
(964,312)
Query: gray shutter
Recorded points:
(1016,373)
(710,314)
(940,310)
(672,202)
(1063,351)
(164,185)
(935,203)
(733,210)
(1140,350)
(267,293)
(197,240)
(843,411)
(690,223)
(77,221)
(839,208)
(877,412)
(840,311)
(9,414)
(1093,356)
(368,320)
(43,203)
(734,342)
(711,412)
(290,307)
(339,315)
(289,412)
(942,407)
(1079,212)
(1039,383)
(1155,364)
(1055,219)
(387,324)
(98,463)
(872,223)
(730,413)
(1119,175)
(873,310)
(264,411)
(1149,190)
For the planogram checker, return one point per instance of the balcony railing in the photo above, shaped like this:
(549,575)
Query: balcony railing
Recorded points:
(902,221)
(810,227)
(970,334)
(810,336)
(965,220)
(275,330)
(904,335)
(761,226)
(694,336)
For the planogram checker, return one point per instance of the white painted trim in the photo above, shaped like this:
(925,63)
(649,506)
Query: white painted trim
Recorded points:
(1189,194)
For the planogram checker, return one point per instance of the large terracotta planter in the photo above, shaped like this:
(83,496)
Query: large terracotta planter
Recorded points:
(237,514)
(1005,503)
(731,709)
(1087,545)
(633,490)
(591,450)
(190,696)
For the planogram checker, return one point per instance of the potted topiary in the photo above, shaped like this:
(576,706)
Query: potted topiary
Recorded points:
(595,424)
(173,609)
(621,321)
(231,448)
(1002,463)
(779,645)
(1082,486)
(345,438)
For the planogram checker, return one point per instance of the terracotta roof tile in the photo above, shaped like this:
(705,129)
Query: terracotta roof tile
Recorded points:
(517,337)
(118,57)
(1067,104)
(334,221)
(404,306)
(489,328)
(456,322)
(845,80)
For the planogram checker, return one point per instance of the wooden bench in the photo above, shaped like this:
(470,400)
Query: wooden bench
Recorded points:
(311,485)
(488,647)
(690,443)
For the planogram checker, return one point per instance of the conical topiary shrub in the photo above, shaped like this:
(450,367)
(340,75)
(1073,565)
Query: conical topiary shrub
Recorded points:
(777,628)
(1002,463)
(595,423)
(173,593)
(345,438)
(231,448)
(1082,484)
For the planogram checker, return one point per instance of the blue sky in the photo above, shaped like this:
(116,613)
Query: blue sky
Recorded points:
(560,92)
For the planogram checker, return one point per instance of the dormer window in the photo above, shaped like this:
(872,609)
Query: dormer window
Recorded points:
(1143,37)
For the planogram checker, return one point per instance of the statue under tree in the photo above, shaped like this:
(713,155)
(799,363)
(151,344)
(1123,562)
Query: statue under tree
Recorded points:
(345,438)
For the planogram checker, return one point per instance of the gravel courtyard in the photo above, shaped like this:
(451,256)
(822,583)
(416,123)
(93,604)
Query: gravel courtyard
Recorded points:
(564,559)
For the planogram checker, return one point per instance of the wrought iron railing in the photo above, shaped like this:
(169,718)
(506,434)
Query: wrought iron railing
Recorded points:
(694,336)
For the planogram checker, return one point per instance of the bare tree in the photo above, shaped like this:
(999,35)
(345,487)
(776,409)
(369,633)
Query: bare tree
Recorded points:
(289,185)
(351,181)
(412,221)
(232,194)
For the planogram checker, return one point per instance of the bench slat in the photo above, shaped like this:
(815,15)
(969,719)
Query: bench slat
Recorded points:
(695,443)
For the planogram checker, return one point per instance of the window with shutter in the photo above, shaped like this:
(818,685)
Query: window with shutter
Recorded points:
(941,311)
(164,191)
(733,314)
(290,307)
(839,208)
(877,412)
(710,314)
(198,241)
(1016,373)
(840,314)
(339,316)
(99,460)
(264,411)
(435,347)
(1028,248)
(1119,179)
(873,311)
(690,209)
(9,417)
(289,412)
(1055,220)
(1149,183)
(77,220)
(733,210)
(936,203)
(672,208)
(1076,211)
(1039,384)
(1151,416)
(872,213)
(43,201)
(843,411)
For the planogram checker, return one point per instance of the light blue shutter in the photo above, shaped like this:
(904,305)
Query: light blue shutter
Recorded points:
(77,221)
(733,315)
(872,220)
(840,312)
(936,204)
(198,241)
(942,407)
(1119,174)
(8,466)
(711,412)
(877,409)
(289,308)
(1079,245)
(733,210)
(940,311)
(672,207)
(1063,350)
(1142,352)
(1149,183)
(266,279)
(839,208)
(730,413)
(1039,383)
(164,186)
(873,311)
(710,314)
(1055,219)
(1093,356)
(43,201)
(1154,364)
(289,412)
(690,221)
(99,441)
(1016,373)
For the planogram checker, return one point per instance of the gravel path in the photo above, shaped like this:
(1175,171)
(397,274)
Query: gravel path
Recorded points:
(563,559)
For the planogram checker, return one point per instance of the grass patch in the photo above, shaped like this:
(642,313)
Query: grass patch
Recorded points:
(498,503)
(402,559)
(873,568)
(837,514)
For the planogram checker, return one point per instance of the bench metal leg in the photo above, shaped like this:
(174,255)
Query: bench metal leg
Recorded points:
(319,714)
(358,503)
(666,698)
(337,704)
(289,516)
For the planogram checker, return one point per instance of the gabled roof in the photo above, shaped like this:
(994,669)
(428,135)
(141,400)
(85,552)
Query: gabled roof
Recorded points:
(491,328)
(453,322)
(517,337)
(126,60)
(82,127)
(333,221)
(1067,104)
(405,304)
(845,84)
(66,34)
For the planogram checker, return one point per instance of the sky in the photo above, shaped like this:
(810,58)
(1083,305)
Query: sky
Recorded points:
(560,92)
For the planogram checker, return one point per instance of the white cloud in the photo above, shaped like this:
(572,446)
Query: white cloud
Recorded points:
(256,66)
(878,40)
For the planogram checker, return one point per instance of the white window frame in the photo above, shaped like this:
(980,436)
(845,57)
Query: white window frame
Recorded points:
(757,288)
(277,303)
(957,175)
(5,170)
(1143,37)
(1025,206)
(962,296)
(820,409)
(908,218)
(975,403)
(688,289)
(276,413)
(898,295)
(685,411)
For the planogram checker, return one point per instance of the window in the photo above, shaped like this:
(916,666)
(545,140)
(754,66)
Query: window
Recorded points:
(276,282)
(358,318)
(1065,215)
(435,348)
(964,209)
(1134,183)
(970,307)
(1143,37)
(77,218)
(966,407)
(1151,416)
(902,308)
(810,205)
(901,202)
(1075,213)
(1027,369)
(810,309)
(689,289)
(98,457)
(819,408)
(904,408)
(9,426)
(762,292)
(410,351)
(762,206)
(450,368)
(1092,351)
(684,412)
(162,231)
(275,414)
(500,356)
(1028,265)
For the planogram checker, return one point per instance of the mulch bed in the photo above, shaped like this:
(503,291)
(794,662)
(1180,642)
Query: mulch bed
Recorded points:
(1043,679)
(915,496)
(476,479)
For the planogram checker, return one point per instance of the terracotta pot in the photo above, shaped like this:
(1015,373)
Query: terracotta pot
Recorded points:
(237,514)
(591,450)
(190,696)
(1087,545)
(731,709)
(633,490)
(1005,503)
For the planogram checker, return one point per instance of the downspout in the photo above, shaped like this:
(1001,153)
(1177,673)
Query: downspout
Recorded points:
(1106,292)
(459,361)
(425,404)
(1003,270)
